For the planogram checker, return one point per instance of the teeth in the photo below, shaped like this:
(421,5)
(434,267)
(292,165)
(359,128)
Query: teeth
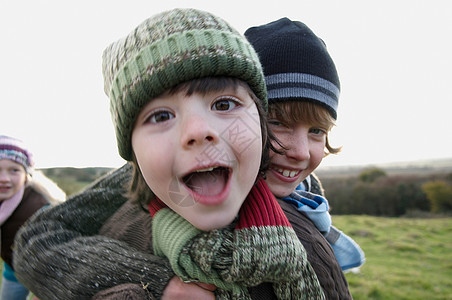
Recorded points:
(205,170)
(288,173)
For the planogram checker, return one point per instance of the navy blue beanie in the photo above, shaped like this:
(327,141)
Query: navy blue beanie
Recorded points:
(296,64)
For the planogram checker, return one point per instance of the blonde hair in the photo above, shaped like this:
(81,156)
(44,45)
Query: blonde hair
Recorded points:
(46,187)
(292,112)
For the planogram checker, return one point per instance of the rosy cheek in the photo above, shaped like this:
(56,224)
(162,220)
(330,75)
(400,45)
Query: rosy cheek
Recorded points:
(240,136)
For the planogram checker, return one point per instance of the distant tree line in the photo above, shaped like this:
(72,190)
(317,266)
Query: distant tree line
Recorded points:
(373,192)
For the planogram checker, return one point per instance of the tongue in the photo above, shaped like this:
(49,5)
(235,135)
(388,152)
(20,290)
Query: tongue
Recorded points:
(207,183)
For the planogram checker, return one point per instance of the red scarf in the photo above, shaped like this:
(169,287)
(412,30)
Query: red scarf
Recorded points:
(261,247)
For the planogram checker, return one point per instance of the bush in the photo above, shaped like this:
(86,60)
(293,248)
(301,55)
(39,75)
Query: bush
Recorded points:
(439,193)
(370,175)
(380,196)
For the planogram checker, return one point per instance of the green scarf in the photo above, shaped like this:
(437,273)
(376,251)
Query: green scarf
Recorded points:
(261,246)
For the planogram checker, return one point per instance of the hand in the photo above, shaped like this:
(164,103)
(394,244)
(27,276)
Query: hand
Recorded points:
(177,289)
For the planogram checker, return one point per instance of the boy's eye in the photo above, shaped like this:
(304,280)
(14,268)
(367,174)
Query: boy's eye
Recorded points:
(276,123)
(160,116)
(317,131)
(225,104)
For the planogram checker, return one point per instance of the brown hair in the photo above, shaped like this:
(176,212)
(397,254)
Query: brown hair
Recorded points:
(140,192)
(291,112)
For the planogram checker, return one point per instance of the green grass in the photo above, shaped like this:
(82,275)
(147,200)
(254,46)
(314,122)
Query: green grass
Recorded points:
(405,258)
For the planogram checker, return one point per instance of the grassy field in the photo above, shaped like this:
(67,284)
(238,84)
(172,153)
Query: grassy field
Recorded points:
(405,258)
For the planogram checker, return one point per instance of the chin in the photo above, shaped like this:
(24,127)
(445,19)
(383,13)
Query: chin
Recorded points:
(212,223)
(281,192)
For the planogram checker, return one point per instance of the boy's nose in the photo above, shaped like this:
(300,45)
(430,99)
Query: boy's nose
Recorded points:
(196,131)
(299,149)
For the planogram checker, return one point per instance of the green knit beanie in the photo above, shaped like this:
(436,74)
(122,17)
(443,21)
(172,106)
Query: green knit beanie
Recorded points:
(168,49)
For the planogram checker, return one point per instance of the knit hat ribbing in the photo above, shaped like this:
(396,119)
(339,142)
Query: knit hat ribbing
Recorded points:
(296,63)
(165,50)
(16,150)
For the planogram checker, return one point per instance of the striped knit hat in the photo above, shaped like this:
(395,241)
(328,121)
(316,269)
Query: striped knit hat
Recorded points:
(168,49)
(296,63)
(15,150)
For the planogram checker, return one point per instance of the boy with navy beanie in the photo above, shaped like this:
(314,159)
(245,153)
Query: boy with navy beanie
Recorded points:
(303,92)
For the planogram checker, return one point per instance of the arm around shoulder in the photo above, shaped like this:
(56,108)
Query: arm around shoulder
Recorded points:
(60,255)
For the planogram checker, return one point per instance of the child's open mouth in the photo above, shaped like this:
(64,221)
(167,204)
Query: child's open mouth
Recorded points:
(208,186)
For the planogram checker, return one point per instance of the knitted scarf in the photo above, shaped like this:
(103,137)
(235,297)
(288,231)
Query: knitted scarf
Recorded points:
(348,253)
(261,246)
(314,206)
(8,206)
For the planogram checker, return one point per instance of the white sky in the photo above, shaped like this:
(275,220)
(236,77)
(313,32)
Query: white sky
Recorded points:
(394,60)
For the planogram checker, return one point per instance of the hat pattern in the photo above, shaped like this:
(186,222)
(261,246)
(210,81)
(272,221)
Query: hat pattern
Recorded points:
(297,65)
(168,49)
(16,150)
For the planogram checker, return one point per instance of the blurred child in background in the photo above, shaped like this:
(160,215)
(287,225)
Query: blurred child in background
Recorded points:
(20,198)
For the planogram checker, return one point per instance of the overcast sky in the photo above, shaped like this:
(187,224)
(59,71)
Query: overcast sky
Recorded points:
(394,60)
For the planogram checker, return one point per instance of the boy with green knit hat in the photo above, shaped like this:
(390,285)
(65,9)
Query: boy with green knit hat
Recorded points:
(188,102)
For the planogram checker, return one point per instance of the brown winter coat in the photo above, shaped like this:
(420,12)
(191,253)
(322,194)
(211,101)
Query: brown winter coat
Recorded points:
(31,202)
(132,224)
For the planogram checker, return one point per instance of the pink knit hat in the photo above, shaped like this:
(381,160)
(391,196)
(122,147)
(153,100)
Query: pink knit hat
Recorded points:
(15,150)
